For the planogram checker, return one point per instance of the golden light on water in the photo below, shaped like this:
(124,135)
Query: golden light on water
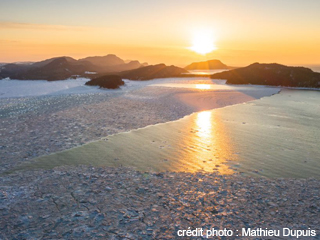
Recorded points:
(203,86)
(198,143)
(208,144)
(204,124)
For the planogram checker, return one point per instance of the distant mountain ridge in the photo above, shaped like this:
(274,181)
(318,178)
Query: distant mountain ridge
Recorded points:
(271,74)
(207,65)
(108,60)
(60,68)
(48,61)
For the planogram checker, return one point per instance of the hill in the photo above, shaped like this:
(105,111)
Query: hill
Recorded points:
(108,60)
(207,65)
(271,74)
(153,71)
(61,68)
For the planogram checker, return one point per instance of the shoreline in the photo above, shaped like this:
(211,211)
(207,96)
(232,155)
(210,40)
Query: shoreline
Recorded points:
(73,120)
(111,150)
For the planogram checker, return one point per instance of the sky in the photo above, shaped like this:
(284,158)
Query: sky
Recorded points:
(242,31)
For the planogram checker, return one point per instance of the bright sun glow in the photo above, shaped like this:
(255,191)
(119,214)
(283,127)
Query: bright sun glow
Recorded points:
(203,42)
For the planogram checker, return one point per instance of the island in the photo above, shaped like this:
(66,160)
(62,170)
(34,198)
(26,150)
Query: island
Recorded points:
(207,65)
(271,74)
(107,81)
(61,68)
(153,71)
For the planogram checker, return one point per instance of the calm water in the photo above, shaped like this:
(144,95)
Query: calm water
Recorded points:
(277,136)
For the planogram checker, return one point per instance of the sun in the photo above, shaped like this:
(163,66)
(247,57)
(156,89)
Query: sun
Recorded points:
(203,42)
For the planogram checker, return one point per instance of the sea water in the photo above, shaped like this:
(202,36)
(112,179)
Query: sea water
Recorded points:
(276,136)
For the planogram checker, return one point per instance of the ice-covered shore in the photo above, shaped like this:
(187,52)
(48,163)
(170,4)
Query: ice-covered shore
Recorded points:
(116,203)
(32,126)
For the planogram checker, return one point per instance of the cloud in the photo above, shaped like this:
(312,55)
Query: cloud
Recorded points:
(49,27)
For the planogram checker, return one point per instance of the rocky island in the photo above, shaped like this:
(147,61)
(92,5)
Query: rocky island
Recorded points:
(271,74)
(108,81)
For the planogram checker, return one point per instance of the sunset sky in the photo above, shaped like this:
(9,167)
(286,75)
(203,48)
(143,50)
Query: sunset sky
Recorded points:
(242,32)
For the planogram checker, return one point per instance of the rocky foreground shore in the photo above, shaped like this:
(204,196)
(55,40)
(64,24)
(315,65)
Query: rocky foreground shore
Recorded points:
(111,203)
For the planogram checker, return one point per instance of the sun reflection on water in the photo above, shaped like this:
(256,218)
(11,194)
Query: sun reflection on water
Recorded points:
(204,124)
(207,142)
(203,86)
